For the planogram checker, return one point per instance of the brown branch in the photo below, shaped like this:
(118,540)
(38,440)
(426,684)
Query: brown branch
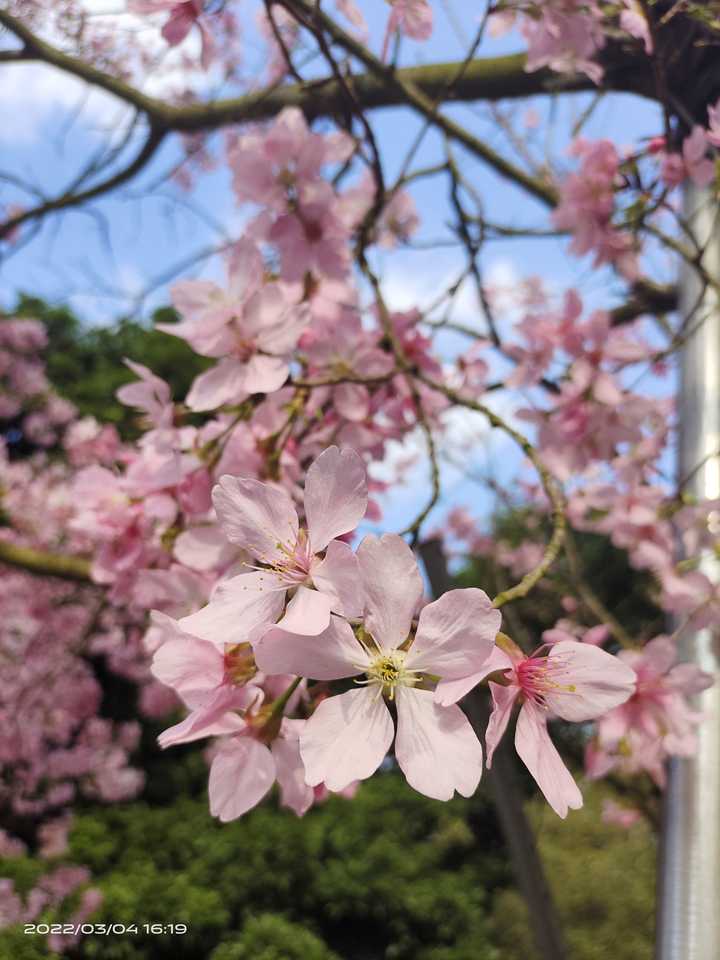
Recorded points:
(45,564)
(492,78)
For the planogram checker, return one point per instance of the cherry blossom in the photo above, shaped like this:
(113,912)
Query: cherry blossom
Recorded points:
(575,681)
(657,721)
(318,571)
(348,735)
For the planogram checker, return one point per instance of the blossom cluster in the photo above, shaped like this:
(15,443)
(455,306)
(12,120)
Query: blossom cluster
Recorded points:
(314,610)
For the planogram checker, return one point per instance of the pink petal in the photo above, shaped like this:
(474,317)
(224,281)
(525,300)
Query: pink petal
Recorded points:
(503,701)
(688,679)
(338,577)
(216,709)
(271,321)
(436,748)
(659,654)
(179,24)
(237,608)
(598,681)
(450,691)
(351,400)
(223,383)
(189,665)
(203,548)
(330,655)
(346,739)
(538,753)
(335,496)
(294,792)
(241,774)
(393,587)
(455,635)
(263,374)
(307,613)
(259,517)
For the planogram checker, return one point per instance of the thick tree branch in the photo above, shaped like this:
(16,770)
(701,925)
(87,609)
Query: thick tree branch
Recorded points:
(492,78)
(45,564)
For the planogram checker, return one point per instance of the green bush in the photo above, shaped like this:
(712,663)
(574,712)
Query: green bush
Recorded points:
(271,937)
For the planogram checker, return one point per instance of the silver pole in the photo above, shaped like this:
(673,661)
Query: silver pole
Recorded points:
(688,923)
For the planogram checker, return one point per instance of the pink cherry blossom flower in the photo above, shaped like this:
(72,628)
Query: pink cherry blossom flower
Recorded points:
(211,679)
(700,168)
(414,18)
(575,681)
(657,721)
(693,163)
(565,37)
(183,16)
(252,327)
(151,394)
(634,22)
(244,769)
(348,735)
(713,132)
(318,572)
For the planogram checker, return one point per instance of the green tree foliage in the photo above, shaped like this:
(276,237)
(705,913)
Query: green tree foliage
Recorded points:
(389,875)
(603,881)
(271,937)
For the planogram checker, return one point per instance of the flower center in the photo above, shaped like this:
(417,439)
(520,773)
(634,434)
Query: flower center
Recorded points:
(539,676)
(387,671)
(295,560)
(239,663)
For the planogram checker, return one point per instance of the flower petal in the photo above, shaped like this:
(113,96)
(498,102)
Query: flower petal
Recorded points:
(202,722)
(189,665)
(338,576)
(598,681)
(294,792)
(450,691)
(503,700)
(221,384)
(335,496)
(262,374)
(436,747)
(393,587)
(346,739)
(236,609)
(259,517)
(455,634)
(241,773)
(329,655)
(538,753)
(308,613)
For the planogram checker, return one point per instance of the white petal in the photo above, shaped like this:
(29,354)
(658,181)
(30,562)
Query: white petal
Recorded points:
(436,747)
(346,739)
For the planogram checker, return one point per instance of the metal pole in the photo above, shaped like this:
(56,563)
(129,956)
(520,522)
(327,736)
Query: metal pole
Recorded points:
(688,921)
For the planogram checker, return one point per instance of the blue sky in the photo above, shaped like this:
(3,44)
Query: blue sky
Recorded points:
(100,261)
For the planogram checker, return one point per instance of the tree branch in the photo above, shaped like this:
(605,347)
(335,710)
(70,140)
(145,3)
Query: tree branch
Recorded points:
(66,200)
(491,78)
(45,564)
